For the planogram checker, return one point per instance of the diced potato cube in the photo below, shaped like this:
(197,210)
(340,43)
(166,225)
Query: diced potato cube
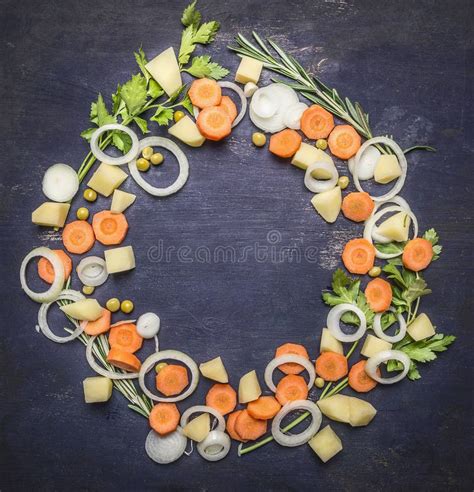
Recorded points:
(329,343)
(50,214)
(121,200)
(249,387)
(421,328)
(360,412)
(119,259)
(249,70)
(97,389)
(164,69)
(85,309)
(198,428)
(106,179)
(396,227)
(215,370)
(326,444)
(309,154)
(387,169)
(373,345)
(328,204)
(187,131)
(336,407)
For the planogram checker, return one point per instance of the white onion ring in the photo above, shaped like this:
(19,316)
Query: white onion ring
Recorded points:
(60,183)
(173,355)
(373,363)
(165,449)
(92,271)
(397,200)
(284,359)
(367,163)
(203,409)
(292,116)
(377,326)
(303,437)
(168,144)
(320,185)
(371,223)
(263,104)
(56,287)
(69,295)
(215,439)
(402,161)
(334,318)
(114,161)
(123,322)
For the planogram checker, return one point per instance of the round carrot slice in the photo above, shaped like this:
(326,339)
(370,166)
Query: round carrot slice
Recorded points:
(222,397)
(379,295)
(125,336)
(164,418)
(78,237)
(101,325)
(316,122)
(291,348)
(123,360)
(264,408)
(229,107)
(331,366)
(417,254)
(249,428)
(344,141)
(285,143)
(291,388)
(358,256)
(172,380)
(214,123)
(46,270)
(109,228)
(205,93)
(230,425)
(359,380)
(357,206)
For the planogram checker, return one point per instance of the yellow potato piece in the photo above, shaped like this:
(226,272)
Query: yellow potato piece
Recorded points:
(421,328)
(387,169)
(309,154)
(164,69)
(187,131)
(329,343)
(50,214)
(106,179)
(97,389)
(360,412)
(119,259)
(249,70)
(396,227)
(249,387)
(85,309)
(215,370)
(198,428)
(121,200)
(326,444)
(373,345)
(328,204)
(336,408)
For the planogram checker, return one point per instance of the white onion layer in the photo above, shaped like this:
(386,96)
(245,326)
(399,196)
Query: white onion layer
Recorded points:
(215,446)
(60,183)
(165,449)
(374,362)
(367,163)
(334,319)
(92,271)
(396,200)
(203,409)
(320,185)
(148,325)
(285,359)
(292,116)
(101,156)
(402,327)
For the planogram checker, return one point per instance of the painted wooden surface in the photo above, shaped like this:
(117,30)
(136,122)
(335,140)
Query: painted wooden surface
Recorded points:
(410,65)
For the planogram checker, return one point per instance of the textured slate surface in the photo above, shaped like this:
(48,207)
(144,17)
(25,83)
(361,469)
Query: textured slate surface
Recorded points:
(410,65)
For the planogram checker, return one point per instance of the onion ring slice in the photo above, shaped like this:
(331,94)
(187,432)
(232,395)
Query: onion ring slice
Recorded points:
(292,116)
(101,156)
(92,271)
(334,318)
(377,326)
(216,440)
(373,363)
(165,449)
(203,409)
(319,185)
(284,359)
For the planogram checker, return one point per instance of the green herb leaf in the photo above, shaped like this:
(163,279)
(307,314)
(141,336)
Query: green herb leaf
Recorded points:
(394,247)
(187,104)
(87,134)
(99,113)
(134,93)
(154,89)
(432,236)
(121,141)
(142,61)
(201,66)
(416,289)
(206,33)
(163,115)
(191,16)
(142,124)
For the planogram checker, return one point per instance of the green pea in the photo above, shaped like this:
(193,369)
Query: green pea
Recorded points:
(343,182)
(113,305)
(88,290)
(160,366)
(259,139)
(178,115)
(319,382)
(147,152)
(82,213)
(375,271)
(90,195)
(322,143)
(157,158)
(143,165)
(127,306)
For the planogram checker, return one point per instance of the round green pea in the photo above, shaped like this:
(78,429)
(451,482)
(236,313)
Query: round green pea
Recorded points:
(90,195)
(113,305)
(178,115)
(160,366)
(147,152)
(375,271)
(82,213)
(143,164)
(322,143)
(127,306)
(88,290)
(157,158)
(343,182)
(319,382)
(259,139)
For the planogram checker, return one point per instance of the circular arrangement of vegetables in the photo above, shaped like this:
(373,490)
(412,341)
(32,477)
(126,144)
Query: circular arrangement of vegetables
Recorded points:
(292,378)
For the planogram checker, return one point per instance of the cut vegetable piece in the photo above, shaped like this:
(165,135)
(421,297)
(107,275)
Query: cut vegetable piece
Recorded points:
(326,444)
(148,325)
(121,200)
(85,309)
(264,103)
(264,408)
(215,370)
(329,343)
(125,336)
(97,389)
(198,428)
(291,388)
(101,156)
(387,169)
(328,204)
(214,123)
(358,256)
(92,271)
(109,228)
(344,141)
(379,295)
(285,359)
(106,179)
(402,327)
(317,185)
(249,428)
(164,418)
(222,397)
(291,348)
(417,254)
(359,380)
(421,328)
(215,447)
(46,270)
(205,93)
(187,131)
(285,143)
(249,70)
(60,183)
(123,360)
(229,107)
(100,325)
(165,449)
(373,345)
(334,319)
(309,154)
(361,412)
(366,164)
(50,214)
(380,358)
(78,237)
(230,426)
(164,69)
(331,366)
(119,259)
(316,123)
(336,408)
(292,116)
(249,89)
(172,380)
(396,227)
(249,387)
(357,206)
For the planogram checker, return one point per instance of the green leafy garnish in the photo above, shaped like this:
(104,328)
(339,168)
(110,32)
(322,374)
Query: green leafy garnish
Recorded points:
(432,236)
(191,16)
(134,94)
(201,66)
(163,115)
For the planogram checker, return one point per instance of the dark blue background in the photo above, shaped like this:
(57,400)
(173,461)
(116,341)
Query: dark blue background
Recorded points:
(410,65)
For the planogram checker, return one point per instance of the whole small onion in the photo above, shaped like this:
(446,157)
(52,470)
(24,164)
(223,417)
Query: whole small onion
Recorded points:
(148,325)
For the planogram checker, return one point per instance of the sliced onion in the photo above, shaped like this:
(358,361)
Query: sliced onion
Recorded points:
(292,116)
(367,163)
(401,160)
(249,89)
(123,322)
(60,183)
(397,200)
(92,271)
(320,185)
(303,437)
(56,287)
(374,362)
(165,449)
(151,361)
(66,295)
(402,327)
(114,161)
(284,359)
(148,325)
(215,446)
(271,125)
(203,409)
(264,103)
(334,319)
(168,144)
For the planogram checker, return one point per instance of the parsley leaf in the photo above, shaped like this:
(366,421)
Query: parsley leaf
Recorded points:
(191,16)
(163,115)
(187,104)
(154,89)
(134,94)
(416,289)
(142,124)
(142,61)
(206,33)
(432,236)
(99,113)
(201,66)
(395,247)
(121,141)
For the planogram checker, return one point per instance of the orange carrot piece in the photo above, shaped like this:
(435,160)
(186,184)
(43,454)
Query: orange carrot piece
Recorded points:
(291,348)
(249,428)
(417,254)
(164,418)
(222,397)
(101,325)
(316,122)
(46,270)
(214,123)
(358,256)
(125,336)
(285,143)
(228,105)
(379,295)
(230,426)
(331,366)
(291,388)
(205,93)
(109,228)
(359,380)
(123,360)
(264,408)
(172,380)
(78,237)
(344,142)
(357,206)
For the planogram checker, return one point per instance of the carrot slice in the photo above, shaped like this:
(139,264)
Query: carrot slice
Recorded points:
(357,206)
(214,123)
(264,408)
(78,237)
(249,428)
(164,418)
(285,143)
(123,360)
(172,380)
(125,336)
(109,228)
(230,425)
(46,270)
(358,256)
(101,325)
(331,366)
(291,348)
(316,122)
(205,93)
(359,380)
(291,388)
(344,141)
(379,295)
(222,397)
(228,105)
(417,254)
